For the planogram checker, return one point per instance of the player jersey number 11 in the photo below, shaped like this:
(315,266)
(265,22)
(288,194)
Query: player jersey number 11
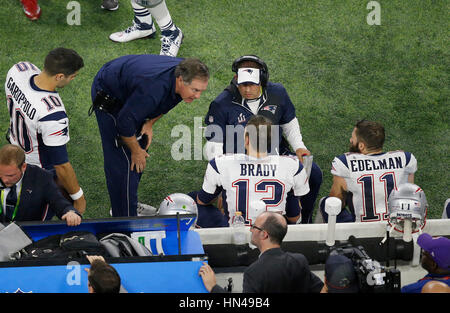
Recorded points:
(369,188)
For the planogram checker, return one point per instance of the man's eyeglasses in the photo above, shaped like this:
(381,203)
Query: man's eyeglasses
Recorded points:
(256,227)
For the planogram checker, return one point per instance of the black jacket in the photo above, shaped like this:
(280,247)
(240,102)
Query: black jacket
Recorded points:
(38,195)
(227,110)
(277,271)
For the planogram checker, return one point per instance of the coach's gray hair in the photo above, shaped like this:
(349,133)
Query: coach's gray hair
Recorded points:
(191,68)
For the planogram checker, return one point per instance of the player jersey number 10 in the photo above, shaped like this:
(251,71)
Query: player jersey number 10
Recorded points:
(18,127)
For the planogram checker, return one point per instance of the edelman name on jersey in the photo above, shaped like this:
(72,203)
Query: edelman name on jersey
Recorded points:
(371,178)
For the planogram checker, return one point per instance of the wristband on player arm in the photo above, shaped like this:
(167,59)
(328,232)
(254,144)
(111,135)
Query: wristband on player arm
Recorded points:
(77,195)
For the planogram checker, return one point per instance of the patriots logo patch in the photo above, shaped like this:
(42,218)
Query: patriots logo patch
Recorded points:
(271,108)
(62,132)
(169,199)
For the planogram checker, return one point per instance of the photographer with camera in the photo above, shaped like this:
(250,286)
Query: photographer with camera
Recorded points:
(350,269)
(436,261)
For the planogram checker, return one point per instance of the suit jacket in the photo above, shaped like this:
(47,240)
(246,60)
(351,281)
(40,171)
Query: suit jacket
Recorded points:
(277,271)
(38,195)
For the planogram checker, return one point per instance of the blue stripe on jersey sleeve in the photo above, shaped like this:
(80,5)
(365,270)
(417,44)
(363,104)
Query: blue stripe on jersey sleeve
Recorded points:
(214,165)
(300,167)
(408,157)
(51,156)
(343,159)
(205,197)
(54,116)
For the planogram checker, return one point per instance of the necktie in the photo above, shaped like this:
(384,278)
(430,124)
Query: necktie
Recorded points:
(11,200)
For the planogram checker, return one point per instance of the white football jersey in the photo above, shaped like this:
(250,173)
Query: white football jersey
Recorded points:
(371,178)
(255,185)
(37,116)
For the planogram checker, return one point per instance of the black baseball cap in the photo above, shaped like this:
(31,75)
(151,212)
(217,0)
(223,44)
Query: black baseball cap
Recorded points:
(340,275)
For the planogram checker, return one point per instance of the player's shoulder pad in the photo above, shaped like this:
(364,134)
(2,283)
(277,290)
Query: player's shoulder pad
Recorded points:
(213,164)
(343,158)
(408,155)
(394,151)
(56,116)
(23,66)
(288,156)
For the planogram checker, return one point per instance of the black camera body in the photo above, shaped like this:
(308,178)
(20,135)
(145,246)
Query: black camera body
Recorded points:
(372,276)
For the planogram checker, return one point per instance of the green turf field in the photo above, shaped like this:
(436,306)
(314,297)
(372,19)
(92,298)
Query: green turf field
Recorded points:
(336,68)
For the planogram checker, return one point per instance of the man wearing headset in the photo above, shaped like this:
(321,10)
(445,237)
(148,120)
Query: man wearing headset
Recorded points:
(249,93)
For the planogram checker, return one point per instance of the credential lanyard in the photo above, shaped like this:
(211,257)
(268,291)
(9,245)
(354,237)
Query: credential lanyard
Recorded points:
(15,208)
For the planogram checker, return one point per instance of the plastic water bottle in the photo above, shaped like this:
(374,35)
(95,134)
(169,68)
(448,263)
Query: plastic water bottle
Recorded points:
(239,229)
(307,164)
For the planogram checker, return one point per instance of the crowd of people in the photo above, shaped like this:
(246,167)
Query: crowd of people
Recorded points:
(256,153)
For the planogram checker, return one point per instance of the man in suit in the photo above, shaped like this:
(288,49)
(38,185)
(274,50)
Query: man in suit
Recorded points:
(275,271)
(28,191)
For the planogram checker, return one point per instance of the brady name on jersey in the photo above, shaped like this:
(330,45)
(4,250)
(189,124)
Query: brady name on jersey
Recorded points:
(252,185)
